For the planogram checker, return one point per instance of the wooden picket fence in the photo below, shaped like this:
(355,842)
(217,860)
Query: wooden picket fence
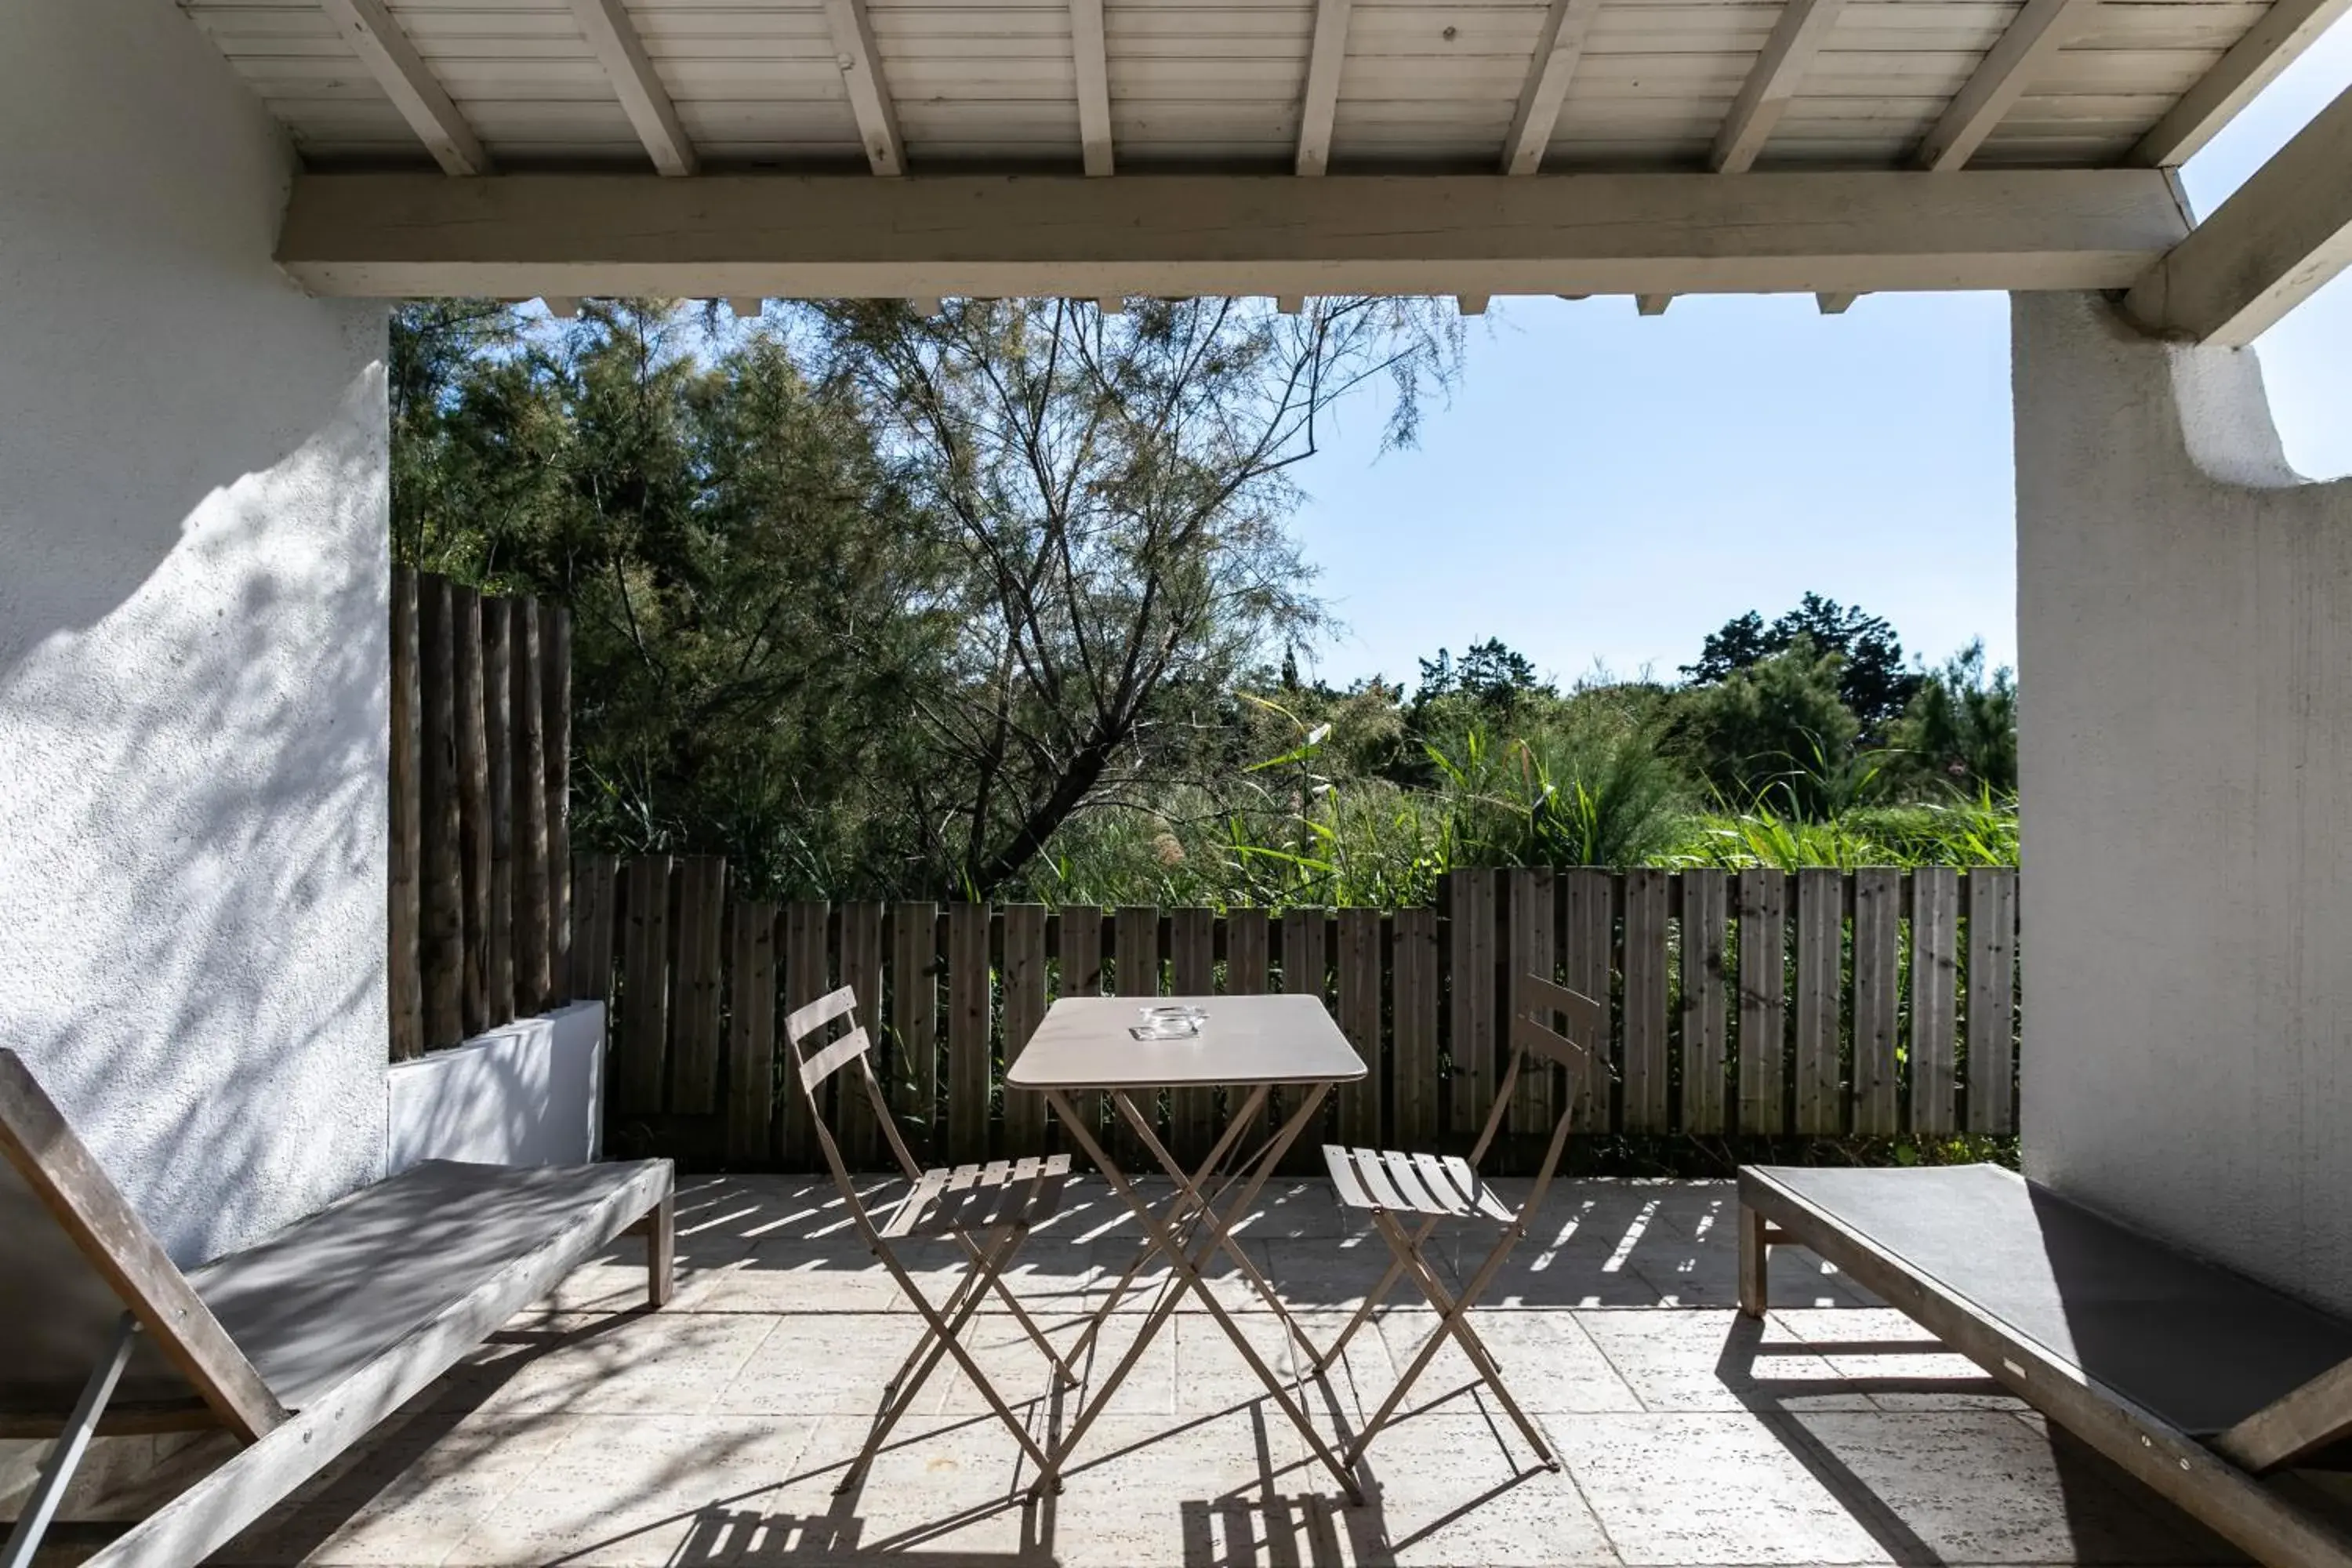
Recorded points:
(1819,1003)
(481,740)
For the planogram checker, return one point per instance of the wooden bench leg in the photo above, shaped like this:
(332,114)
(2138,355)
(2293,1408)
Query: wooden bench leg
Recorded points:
(1755,1254)
(661,1251)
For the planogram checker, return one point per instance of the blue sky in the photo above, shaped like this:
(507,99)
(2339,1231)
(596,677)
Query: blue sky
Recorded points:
(1609,487)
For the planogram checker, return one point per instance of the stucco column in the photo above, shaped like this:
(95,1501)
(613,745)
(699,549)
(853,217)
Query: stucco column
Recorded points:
(2185,663)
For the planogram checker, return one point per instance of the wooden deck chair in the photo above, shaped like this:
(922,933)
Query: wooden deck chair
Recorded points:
(2200,1381)
(1386,1183)
(986,1210)
(297,1347)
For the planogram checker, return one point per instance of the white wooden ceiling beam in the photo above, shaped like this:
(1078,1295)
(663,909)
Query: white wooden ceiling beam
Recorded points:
(1652,304)
(1112,305)
(411,85)
(1091,55)
(563,306)
(1558,49)
(605,25)
(746,307)
(2040,31)
(1290,304)
(1321,105)
(794,236)
(2280,235)
(869,95)
(1470,304)
(2268,47)
(1836,304)
(1803,28)
(927,305)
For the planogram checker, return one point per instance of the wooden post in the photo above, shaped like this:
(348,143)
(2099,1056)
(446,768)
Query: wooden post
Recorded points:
(1645,1001)
(807,976)
(968,1020)
(1763,993)
(914,1023)
(860,969)
(1135,937)
(1935,975)
(1704,1034)
(1192,972)
(555,775)
(750,1033)
(694,1022)
(1471,904)
(1993,999)
(1024,1009)
(497,745)
(1533,949)
(1821,951)
(1877,953)
(591,947)
(473,805)
(1589,958)
(1078,953)
(642,1040)
(531,976)
(441,918)
(406,1002)
(1358,1015)
(1413,967)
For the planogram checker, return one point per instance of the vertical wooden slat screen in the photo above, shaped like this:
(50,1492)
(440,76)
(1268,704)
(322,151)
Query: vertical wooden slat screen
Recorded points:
(700,981)
(1305,972)
(555,789)
(1705,1042)
(1935,972)
(751,1083)
(808,974)
(462,766)
(406,1003)
(1135,973)
(1992,981)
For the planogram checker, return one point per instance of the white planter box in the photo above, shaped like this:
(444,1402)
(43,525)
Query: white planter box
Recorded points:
(531,1093)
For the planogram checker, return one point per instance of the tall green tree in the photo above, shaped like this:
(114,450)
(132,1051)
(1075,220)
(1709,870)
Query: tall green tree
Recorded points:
(1872,681)
(1961,728)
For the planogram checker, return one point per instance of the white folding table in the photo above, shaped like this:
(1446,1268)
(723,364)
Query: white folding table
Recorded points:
(1249,1046)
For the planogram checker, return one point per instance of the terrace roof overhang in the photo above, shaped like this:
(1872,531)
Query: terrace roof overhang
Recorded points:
(1106,148)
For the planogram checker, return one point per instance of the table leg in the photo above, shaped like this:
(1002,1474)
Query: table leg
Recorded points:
(1187,1274)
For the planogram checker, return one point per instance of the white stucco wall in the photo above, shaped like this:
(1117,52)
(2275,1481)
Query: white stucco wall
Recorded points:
(530,1093)
(2185,654)
(193,645)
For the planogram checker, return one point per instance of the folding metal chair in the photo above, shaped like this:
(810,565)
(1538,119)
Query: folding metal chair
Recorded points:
(987,1210)
(1385,1183)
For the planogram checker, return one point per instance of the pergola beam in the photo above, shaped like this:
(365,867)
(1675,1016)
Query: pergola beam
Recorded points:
(393,234)
(2040,31)
(869,95)
(2282,235)
(1805,25)
(605,25)
(1558,48)
(2268,47)
(1320,104)
(1091,56)
(410,83)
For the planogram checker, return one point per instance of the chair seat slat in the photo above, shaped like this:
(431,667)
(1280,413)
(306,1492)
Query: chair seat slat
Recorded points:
(1407,1180)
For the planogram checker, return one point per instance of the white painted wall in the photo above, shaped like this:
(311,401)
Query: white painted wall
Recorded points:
(193,645)
(531,1093)
(2185,654)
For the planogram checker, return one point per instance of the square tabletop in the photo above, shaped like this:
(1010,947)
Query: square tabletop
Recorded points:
(1084,1043)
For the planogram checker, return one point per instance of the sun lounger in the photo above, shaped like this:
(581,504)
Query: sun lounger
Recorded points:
(297,1346)
(2196,1379)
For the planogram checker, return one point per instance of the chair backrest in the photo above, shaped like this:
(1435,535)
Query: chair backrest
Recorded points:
(74,1256)
(819,1064)
(1536,1044)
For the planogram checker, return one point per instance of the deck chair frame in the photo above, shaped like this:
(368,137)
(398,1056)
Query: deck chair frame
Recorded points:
(2219,1485)
(1536,1045)
(281,1447)
(985,1261)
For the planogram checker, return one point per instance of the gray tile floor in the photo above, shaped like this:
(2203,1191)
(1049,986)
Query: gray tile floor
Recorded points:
(591,1432)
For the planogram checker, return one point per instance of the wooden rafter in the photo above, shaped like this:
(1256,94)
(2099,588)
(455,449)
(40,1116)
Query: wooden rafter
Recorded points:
(1836,304)
(1091,58)
(2268,47)
(2040,31)
(1558,49)
(1470,304)
(746,307)
(782,235)
(2282,235)
(1652,304)
(606,25)
(1803,28)
(405,78)
(1320,104)
(869,95)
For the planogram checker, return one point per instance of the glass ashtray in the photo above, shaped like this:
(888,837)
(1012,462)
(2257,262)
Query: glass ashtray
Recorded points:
(1168,1022)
